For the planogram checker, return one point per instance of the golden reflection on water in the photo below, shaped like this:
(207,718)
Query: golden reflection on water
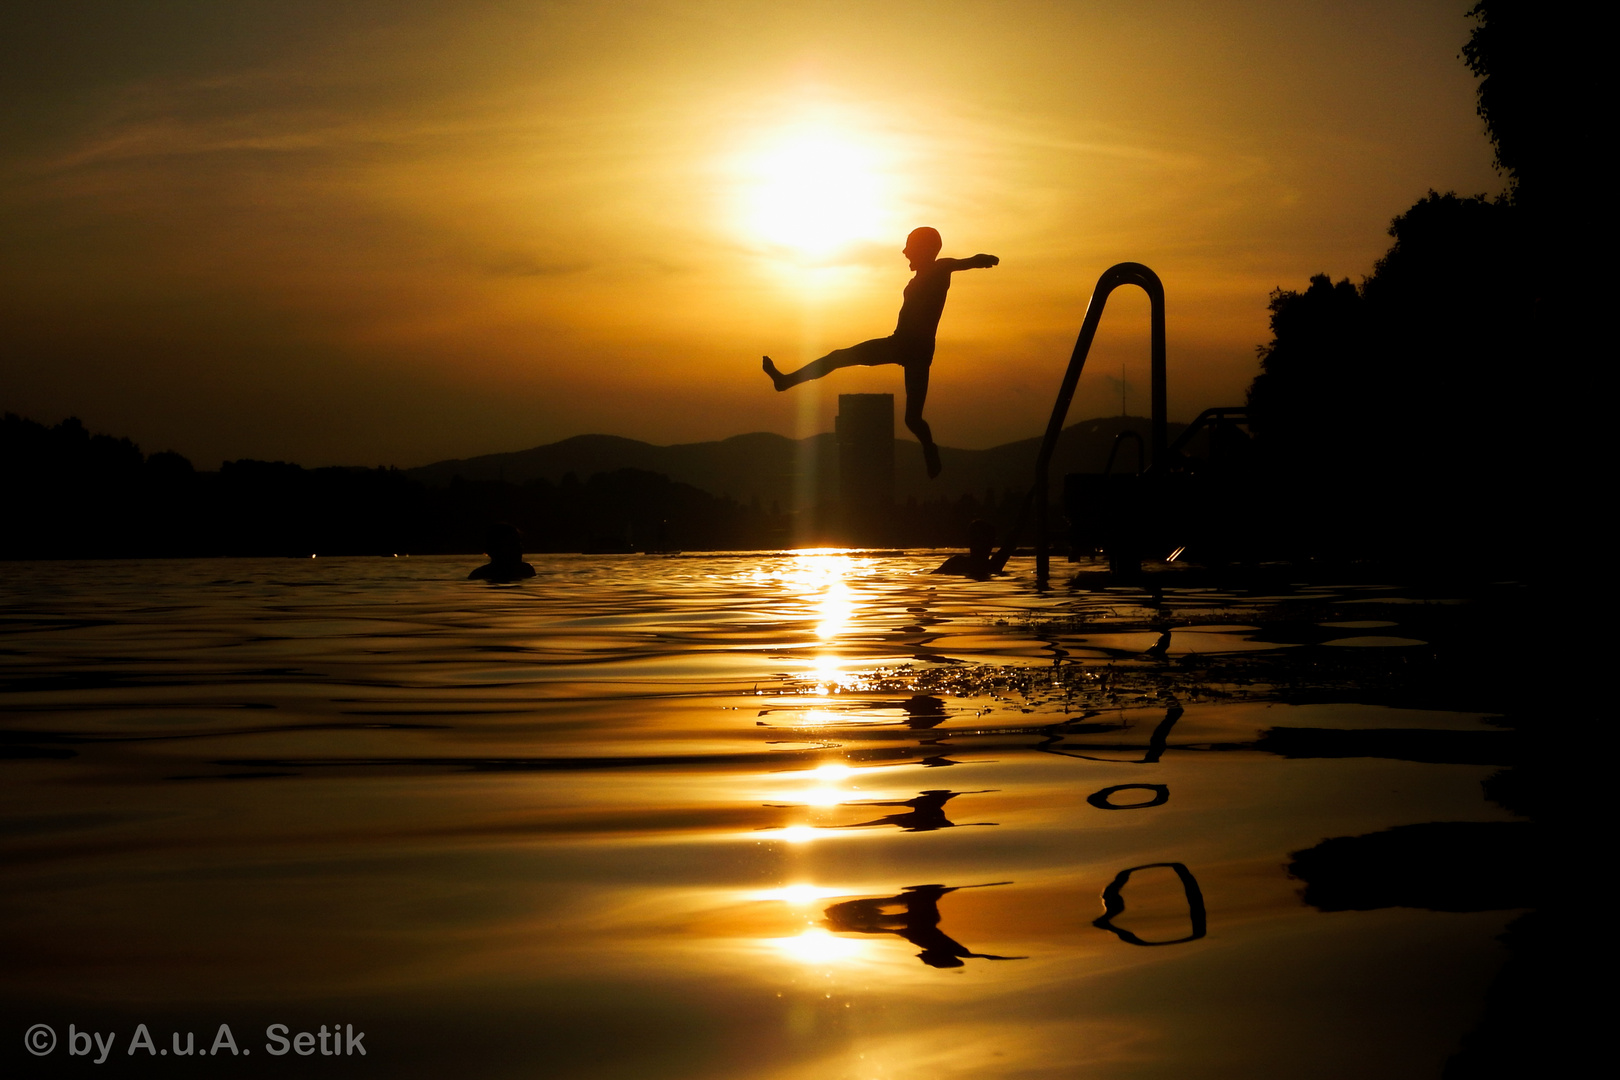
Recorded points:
(835,608)
(587,808)
(824,796)
(822,948)
(826,791)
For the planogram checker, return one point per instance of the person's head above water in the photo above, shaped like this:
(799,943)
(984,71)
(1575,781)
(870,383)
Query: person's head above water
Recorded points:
(503,543)
(922,246)
(981,538)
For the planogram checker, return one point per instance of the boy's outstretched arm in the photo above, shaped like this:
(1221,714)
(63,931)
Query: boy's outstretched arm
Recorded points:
(980,261)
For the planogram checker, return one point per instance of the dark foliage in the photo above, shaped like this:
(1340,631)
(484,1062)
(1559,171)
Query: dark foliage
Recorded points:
(1391,415)
(71,494)
(1537,95)
(1409,414)
(1539,67)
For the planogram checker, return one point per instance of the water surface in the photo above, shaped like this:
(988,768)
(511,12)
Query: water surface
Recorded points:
(777,816)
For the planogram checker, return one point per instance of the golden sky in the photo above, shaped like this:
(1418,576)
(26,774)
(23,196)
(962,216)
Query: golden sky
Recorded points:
(399,232)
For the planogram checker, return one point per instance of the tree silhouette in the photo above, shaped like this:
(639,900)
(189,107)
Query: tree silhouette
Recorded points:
(1390,413)
(1535,93)
(1413,407)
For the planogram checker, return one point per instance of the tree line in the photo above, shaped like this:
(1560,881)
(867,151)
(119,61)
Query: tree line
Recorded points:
(70,493)
(1411,412)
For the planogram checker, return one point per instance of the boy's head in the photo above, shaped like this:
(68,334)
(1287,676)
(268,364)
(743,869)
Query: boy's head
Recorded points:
(922,245)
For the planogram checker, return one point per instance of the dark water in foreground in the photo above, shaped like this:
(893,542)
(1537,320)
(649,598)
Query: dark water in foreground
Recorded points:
(774,817)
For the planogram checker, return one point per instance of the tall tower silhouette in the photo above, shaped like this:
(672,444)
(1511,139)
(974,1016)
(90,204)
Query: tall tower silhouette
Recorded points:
(866,461)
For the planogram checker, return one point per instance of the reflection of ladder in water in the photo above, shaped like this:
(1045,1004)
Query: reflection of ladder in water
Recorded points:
(1127,273)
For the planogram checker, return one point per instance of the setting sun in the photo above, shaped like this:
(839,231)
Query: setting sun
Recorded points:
(816,190)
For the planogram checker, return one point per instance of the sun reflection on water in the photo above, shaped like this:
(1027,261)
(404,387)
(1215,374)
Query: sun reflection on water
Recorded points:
(822,580)
(826,674)
(824,796)
(826,791)
(837,608)
(817,946)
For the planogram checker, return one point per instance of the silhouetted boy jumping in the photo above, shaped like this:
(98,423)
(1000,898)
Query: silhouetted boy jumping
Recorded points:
(912,343)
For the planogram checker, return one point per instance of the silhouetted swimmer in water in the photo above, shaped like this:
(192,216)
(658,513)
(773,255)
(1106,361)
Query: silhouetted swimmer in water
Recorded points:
(916,922)
(504,546)
(976,563)
(927,812)
(912,343)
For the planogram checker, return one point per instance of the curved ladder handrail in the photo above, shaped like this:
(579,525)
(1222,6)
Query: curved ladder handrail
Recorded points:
(1209,417)
(1126,273)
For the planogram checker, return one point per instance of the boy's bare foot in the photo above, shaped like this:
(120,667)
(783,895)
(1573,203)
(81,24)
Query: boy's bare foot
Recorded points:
(931,459)
(776,376)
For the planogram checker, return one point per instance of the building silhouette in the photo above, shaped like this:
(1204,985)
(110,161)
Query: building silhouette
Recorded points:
(866,463)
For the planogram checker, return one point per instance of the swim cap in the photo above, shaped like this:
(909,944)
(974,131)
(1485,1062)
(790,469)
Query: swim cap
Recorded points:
(925,237)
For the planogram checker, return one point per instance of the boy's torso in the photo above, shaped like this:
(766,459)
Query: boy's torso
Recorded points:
(924,303)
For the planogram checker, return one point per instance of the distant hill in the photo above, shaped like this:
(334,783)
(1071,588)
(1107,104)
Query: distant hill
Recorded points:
(69,493)
(793,473)
(743,466)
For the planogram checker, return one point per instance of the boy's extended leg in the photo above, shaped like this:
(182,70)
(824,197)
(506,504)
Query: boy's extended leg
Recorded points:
(916,396)
(866,354)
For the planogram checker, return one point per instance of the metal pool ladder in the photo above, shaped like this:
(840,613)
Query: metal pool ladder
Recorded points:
(1125,273)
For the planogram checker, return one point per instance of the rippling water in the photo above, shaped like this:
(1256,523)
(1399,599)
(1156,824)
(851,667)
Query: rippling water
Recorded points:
(783,816)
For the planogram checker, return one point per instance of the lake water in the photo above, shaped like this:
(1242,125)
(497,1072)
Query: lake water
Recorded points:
(767,817)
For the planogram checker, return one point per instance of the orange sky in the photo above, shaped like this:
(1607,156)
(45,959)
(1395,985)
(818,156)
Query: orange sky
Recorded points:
(399,232)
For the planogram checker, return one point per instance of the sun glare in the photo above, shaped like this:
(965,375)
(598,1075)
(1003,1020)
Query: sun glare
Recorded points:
(798,894)
(819,947)
(815,189)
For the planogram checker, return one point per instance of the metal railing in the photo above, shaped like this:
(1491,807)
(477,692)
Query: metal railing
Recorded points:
(1127,273)
(1210,418)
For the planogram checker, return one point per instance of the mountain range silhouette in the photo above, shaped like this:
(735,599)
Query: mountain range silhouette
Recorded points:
(774,468)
